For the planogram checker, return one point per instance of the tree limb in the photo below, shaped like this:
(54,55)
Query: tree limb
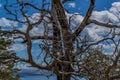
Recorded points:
(85,20)
(103,24)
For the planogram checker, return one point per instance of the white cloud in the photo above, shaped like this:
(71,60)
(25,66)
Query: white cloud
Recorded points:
(17,47)
(37,31)
(104,16)
(96,32)
(115,8)
(7,23)
(23,28)
(75,20)
(72,4)
(92,31)
(35,17)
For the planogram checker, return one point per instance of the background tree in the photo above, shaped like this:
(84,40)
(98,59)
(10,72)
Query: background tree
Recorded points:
(95,63)
(67,52)
(6,62)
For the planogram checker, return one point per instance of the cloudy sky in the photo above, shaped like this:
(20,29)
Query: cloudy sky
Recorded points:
(104,11)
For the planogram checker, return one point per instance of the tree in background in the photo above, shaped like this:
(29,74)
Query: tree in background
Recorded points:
(6,62)
(95,65)
(67,51)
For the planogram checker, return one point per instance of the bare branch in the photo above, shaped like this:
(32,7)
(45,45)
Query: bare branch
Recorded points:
(103,24)
(43,37)
(33,64)
(85,20)
(114,63)
(12,32)
(115,77)
(60,13)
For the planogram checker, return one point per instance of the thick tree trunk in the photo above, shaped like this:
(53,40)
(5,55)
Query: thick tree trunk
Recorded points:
(62,34)
(64,68)
(63,77)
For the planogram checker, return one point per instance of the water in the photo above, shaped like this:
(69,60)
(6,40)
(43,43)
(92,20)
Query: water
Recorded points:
(37,78)
(37,75)
(27,74)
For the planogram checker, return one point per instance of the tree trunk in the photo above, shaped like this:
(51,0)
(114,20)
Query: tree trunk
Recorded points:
(62,34)
(63,77)
(64,68)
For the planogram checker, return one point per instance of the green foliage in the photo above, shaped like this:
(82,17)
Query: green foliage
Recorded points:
(4,75)
(95,64)
(6,63)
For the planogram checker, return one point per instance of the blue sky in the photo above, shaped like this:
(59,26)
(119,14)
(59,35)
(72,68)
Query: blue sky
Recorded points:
(101,13)
(78,6)
(81,6)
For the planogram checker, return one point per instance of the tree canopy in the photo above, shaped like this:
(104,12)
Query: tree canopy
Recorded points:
(6,62)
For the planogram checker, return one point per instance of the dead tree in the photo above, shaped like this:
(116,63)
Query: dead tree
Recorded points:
(72,50)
